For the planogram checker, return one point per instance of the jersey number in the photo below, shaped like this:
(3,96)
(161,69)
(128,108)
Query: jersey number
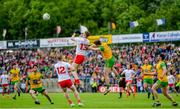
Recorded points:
(82,47)
(61,70)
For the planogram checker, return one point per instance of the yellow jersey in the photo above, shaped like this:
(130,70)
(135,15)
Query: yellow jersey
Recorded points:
(178,77)
(106,51)
(15,75)
(35,80)
(147,69)
(159,69)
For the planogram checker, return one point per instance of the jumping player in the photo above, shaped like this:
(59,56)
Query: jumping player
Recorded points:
(109,60)
(62,68)
(4,80)
(129,75)
(35,81)
(161,82)
(147,73)
(15,78)
(82,44)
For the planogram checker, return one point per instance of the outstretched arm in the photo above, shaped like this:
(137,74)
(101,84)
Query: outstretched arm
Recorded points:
(94,47)
(73,36)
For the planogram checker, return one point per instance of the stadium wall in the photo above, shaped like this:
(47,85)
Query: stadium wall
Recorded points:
(110,39)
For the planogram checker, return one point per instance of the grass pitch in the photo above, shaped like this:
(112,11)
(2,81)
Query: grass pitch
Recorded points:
(90,100)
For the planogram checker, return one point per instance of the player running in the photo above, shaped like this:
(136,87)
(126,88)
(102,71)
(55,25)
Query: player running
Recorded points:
(147,73)
(15,79)
(162,81)
(129,75)
(122,84)
(171,83)
(64,80)
(82,44)
(4,81)
(36,85)
(109,60)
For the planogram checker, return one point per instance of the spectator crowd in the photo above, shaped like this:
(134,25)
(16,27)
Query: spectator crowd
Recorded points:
(91,72)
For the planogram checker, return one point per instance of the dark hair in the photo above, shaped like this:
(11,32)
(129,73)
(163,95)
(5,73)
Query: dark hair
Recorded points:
(97,42)
(162,56)
(87,33)
(35,65)
(60,57)
(13,64)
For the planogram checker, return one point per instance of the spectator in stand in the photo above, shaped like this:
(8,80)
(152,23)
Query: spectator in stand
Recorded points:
(134,54)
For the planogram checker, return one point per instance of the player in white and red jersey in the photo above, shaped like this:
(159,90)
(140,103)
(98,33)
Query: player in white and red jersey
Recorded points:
(4,80)
(64,80)
(129,75)
(82,44)
(171,83)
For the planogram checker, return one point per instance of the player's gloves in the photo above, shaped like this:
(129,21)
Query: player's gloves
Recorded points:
(77,81)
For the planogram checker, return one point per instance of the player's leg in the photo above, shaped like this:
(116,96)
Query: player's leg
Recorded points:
(76,94)
(75,74)
(154,90)
(151,90)
(120,86)
(77,61)
(174,90)
(127,88)
(68,97)
(45,93)
(3,90)
(121,91)
(32,93)
(109,64)
(151,81)
(106,76)
(107,80)
(16,90)
(8,90)
(145,85)
(130,87)
(178,85)
(167,95)
(63,86)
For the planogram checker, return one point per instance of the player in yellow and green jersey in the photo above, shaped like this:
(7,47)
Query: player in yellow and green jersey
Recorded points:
(35,82)
(178,81)
(147,73)
(162,81)
(108,58)
(15,79)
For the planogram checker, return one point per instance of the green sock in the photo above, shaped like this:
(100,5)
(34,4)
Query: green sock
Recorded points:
(108,85)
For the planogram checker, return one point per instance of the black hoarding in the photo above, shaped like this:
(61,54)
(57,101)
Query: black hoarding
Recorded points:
(23,44)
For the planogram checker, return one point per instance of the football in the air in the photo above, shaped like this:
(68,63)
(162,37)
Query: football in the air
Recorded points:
(46,16)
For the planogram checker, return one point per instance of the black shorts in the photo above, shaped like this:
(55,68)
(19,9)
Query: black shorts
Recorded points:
(122,83)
